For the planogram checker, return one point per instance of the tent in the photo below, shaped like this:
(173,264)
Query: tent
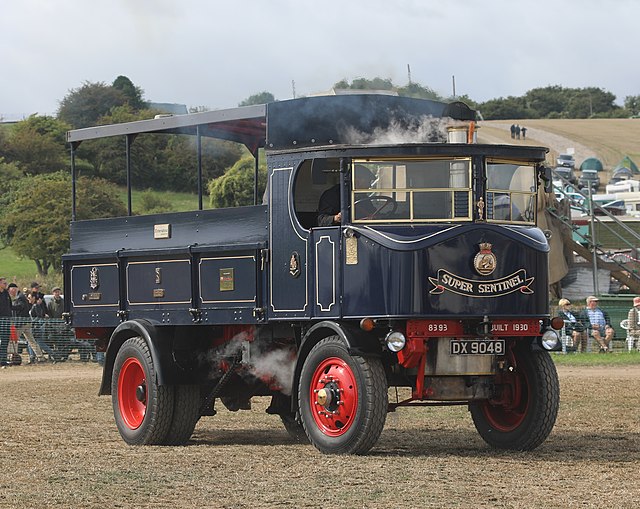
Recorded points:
(626,162)
(591,163)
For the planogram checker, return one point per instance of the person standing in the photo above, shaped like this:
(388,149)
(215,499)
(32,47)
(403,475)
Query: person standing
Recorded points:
(513,131)
(5,324)
(517,132)
(20,309)
(523,130)
(633,330)
(598,323)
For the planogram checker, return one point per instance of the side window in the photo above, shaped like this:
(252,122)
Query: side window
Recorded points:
(313,177)
(511,191)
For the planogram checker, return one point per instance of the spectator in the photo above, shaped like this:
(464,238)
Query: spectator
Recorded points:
(513,131)
(572,327)
(598,324)
(517,132)
(523,130)
(35,288)
(5,324)
(20,309)
(56,305)
(38,314)
(633,330)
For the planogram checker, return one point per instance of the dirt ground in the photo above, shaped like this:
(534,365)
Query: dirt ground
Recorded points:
(59,447)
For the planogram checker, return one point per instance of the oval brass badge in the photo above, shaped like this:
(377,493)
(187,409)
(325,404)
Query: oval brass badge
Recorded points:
(485,261)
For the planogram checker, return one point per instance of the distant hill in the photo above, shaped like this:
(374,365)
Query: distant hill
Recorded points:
(607,139)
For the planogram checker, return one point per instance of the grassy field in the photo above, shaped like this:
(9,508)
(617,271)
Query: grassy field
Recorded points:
(596,359)
(15,268)
(610,139)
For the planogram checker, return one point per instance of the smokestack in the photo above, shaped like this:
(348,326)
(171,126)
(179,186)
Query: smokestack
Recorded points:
(467,133)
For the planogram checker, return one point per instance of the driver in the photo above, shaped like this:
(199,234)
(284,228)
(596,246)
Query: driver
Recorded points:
(329,204)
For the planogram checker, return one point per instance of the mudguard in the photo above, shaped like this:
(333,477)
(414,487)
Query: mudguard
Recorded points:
(130,329)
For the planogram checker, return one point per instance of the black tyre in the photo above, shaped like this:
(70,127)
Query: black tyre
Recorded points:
(294,428)
(526,410)
(186,412)
(143,409)
(342,399)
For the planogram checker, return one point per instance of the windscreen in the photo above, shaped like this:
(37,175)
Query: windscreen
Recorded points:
(411,190)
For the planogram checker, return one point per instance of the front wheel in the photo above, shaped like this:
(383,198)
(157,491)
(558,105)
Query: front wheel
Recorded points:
(524,413)
(343,399)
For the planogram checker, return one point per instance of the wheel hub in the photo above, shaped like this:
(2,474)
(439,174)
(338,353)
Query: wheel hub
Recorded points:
(141,393)
(329,396)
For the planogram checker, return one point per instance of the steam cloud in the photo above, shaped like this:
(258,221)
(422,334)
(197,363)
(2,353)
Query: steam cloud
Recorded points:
(418,130)
(277,364)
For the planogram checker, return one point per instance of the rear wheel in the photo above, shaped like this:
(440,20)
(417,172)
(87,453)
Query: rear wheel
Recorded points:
(186,412)
(343,399)
(524,414)
(143,409)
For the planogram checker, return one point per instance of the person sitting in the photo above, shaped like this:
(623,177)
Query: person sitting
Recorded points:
(572,327)
(598,323)
(329,210)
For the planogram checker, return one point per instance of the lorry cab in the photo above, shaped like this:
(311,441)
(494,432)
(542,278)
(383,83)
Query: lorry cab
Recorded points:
(389,249)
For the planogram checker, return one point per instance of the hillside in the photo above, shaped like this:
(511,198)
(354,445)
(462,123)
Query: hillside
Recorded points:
(607,139)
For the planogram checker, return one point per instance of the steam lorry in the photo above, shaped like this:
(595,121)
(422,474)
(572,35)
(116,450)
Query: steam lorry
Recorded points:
(431,276)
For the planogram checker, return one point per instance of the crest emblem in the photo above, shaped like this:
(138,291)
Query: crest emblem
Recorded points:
(294,264)
(485,261)
(94,279)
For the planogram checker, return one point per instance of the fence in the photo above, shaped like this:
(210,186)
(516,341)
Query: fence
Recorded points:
(54,337)
(617,307)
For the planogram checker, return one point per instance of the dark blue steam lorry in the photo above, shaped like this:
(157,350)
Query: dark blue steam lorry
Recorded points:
(388,250)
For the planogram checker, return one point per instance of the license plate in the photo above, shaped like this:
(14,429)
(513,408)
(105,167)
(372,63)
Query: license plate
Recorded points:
(477,346)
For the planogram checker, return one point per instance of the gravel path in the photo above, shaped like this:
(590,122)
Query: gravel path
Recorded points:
(556,143)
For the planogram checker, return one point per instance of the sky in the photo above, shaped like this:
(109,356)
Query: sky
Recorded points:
(214,53)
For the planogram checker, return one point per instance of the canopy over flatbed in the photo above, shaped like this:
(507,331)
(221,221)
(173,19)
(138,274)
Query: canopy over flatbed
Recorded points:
(304,122)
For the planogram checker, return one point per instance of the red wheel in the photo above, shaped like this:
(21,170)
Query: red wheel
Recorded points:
(524,411)
(342,398)
(132,393)
(143,410)
(333,396)
(509,413)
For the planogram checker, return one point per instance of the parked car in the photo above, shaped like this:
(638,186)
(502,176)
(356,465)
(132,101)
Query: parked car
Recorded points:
(566,160)
(589,178)
(566,172)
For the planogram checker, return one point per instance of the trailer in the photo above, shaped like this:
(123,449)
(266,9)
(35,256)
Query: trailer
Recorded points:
(430,273)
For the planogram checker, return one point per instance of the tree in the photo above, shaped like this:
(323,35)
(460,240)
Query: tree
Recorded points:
(259,98)
(37,145)
(133,93)
(235,187)
(366,84)
(36,223)
(420,92)
(84,106)
(632,103)
(503,108)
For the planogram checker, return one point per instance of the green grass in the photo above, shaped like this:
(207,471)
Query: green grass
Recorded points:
(12,266)
(597,359)
(181,201)
(23,271)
